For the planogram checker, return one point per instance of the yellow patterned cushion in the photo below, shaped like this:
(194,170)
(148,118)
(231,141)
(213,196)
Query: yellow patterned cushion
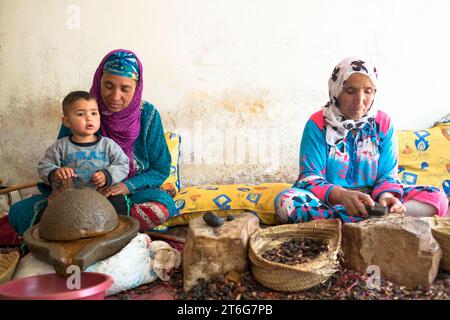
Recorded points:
(172,183)
(227,199)
(424,156)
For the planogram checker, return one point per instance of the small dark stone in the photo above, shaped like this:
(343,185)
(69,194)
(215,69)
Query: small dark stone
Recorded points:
(376,210)
(230,218)
(212,219)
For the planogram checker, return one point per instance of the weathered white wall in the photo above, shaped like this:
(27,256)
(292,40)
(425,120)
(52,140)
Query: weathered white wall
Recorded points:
(237,78)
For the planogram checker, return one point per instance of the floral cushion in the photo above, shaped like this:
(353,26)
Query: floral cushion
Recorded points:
(424,156)
(172,183)
(227,200)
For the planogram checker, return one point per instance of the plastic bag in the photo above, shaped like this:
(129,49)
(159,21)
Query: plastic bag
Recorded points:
(133,266)
(165,258)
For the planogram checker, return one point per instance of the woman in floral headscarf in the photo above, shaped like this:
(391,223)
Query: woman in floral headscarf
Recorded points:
(136,126)
(348,158)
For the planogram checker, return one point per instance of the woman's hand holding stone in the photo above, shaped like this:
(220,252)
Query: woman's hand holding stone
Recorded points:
(387,199)
(353,201)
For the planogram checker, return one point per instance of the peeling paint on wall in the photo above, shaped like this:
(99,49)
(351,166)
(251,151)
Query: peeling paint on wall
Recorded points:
(232,137)
(28,128)
(237,80)
(228,138)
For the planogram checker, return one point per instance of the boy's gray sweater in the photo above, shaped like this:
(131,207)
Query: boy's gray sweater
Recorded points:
(86,159)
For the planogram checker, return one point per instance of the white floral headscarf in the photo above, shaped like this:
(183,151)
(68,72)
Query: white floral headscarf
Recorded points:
(338,125)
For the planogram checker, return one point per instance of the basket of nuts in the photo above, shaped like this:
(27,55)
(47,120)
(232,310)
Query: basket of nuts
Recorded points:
(295,257)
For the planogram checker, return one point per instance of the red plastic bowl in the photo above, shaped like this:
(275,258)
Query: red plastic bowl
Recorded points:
(54,287)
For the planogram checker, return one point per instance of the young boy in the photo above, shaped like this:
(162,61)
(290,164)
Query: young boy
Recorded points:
(87,158)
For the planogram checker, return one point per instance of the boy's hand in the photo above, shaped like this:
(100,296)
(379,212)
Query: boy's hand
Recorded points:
(63,173)
(99,179)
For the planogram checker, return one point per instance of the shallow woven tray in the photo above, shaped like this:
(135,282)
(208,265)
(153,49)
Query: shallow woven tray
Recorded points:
(283,277)
(8,264)
(441,232)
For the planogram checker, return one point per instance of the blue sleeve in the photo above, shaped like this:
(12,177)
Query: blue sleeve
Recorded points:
(387,167)
(313,158)
(158,156)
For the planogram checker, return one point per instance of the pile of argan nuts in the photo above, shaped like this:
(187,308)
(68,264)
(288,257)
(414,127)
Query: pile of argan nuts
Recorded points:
(296,251)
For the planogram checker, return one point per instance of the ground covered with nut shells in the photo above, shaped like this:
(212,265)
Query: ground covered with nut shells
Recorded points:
(343,285)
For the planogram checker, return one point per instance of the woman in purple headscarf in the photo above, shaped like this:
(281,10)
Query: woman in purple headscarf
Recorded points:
(136,126)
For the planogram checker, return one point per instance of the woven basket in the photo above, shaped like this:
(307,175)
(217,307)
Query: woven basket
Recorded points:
(441,232)
(8,264)
(283,277)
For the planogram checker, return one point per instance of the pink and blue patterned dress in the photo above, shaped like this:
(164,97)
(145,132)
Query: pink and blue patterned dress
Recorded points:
(366,161)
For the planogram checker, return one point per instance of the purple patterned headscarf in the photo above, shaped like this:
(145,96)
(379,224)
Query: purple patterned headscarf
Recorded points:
(123,126)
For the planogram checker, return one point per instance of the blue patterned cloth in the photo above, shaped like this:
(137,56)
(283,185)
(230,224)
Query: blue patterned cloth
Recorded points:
(122,64)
